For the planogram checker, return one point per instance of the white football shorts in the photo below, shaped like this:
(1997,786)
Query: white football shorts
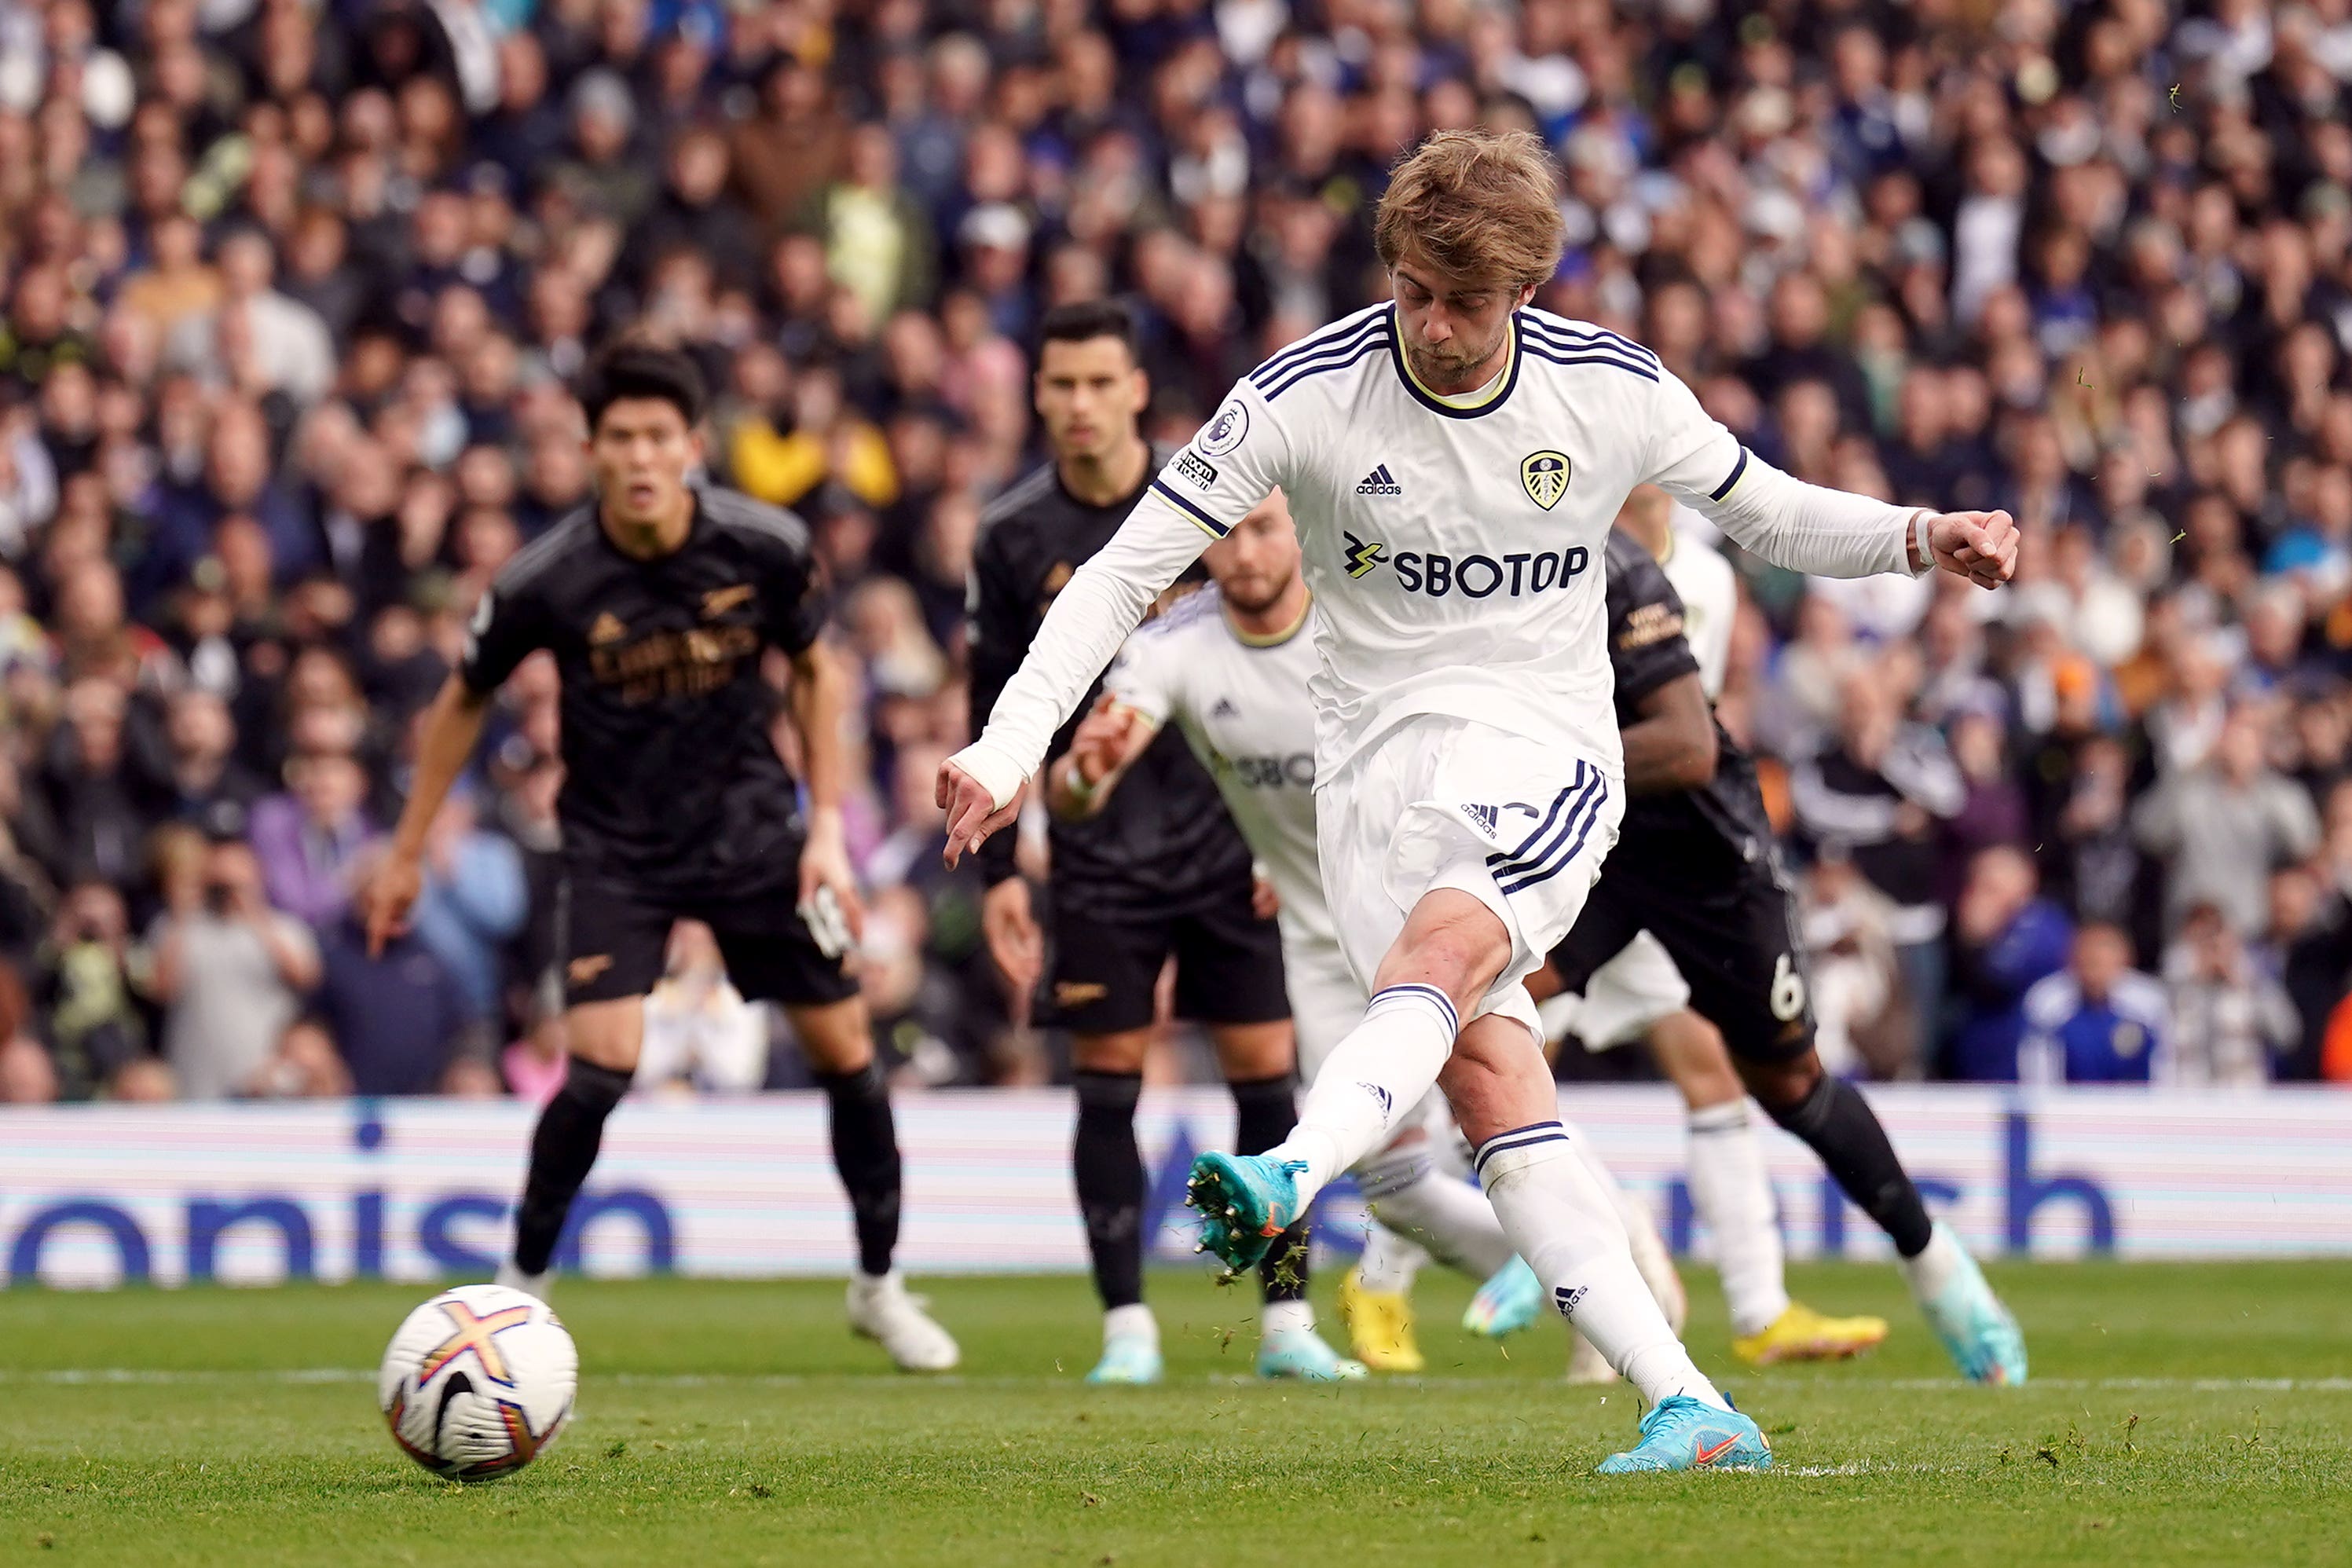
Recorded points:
(1628,995)
(1438,801)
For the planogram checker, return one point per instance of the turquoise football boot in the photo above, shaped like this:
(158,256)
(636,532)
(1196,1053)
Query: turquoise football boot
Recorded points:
(1684,1434)
(1302,1355)
(1511,1300)
(1980,1333)
(1245,1201)
(1129,1360)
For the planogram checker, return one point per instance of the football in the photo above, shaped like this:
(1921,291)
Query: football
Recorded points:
(477,1381)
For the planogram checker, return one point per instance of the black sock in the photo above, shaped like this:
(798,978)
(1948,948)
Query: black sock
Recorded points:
(866,1153)
(1265,1111)
(1838,1124)
(562,1151)
(1108,1169)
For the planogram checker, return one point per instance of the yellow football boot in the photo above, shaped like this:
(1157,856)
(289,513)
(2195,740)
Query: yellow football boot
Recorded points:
(1802,1334)
(1380,1327)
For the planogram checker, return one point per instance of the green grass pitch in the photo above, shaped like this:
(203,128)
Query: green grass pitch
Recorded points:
(2189,1415)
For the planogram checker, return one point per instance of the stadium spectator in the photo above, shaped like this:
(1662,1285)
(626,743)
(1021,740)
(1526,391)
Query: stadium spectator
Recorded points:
(395,1020)
(229,971)
(2223,824)
(2099,1020)
(2005,939)
(2229,1020)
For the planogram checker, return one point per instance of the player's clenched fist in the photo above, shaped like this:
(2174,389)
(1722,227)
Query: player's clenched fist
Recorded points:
(1979,545)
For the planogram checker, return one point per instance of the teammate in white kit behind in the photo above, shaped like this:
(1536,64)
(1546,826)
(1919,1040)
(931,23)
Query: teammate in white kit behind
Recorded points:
(1229,666)
(1455,461)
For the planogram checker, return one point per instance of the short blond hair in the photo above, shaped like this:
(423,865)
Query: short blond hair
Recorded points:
(1478,205)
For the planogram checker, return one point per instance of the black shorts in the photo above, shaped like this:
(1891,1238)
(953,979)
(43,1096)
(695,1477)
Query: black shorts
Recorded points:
(1228,966)
(1730,925)
(612,939)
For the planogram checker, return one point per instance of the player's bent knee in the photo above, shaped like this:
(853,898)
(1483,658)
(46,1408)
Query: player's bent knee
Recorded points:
(1450,940)
(1122,1052)
(835,1038)
(612,1035)
(1781,1086)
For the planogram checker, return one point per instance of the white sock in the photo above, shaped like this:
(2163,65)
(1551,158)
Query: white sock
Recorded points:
(1286,1316)
(1371,1080)
(1651,1259)
(1130,1322)
(1451,1219)
(1561,1221)
(1734,1199)
(1934,1268)
(1391,1263)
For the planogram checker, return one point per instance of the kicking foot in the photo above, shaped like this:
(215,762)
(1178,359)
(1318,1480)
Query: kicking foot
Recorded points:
(1984,1340)
(1684,1434)
(881,1310)
(1510,1301)
(1244,1201)
(1379,1326)
(1300,1353)
(514,1279)
(1800,1333)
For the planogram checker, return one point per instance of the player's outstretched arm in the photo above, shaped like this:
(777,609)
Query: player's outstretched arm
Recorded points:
(1810,527)
(453,726)
(980,787)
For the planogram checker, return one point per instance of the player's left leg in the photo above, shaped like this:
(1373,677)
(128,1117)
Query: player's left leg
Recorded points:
(611,943)
(837,1038)
(1229,976)
(772,955)
(1737,946)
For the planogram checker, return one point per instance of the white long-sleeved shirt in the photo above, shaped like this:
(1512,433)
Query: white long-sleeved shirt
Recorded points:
(1455,546)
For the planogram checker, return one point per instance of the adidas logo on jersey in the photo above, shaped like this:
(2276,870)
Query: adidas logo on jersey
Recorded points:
(1378,482)
(1225,710)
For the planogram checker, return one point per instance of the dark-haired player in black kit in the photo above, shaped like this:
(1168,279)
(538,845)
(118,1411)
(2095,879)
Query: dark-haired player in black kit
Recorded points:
(1695,866)
(657,599)
(1161,871)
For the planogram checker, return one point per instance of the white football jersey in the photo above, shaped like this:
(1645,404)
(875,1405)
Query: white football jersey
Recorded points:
(1455,546)
(1455,551)
(1243,706)
(1709,589)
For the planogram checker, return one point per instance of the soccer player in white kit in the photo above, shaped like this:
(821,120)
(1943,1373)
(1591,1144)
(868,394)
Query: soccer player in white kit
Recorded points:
(1229,666)
(1455,461)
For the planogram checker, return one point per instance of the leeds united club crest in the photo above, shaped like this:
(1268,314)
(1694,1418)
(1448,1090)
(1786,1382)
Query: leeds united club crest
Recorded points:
(1546,476)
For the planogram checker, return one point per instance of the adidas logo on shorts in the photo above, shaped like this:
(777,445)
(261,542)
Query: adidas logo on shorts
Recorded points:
(1380,482)
(1486,816)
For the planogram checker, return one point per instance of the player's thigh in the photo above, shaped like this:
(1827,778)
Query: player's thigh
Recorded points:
(1736,946)
(771,955)
(611,946)
(1630,994)
(1105,971)
(1229,962)
(1519,826)
(609,1034)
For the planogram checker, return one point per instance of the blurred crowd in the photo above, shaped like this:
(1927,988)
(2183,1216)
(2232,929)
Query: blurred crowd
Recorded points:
(292,290)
